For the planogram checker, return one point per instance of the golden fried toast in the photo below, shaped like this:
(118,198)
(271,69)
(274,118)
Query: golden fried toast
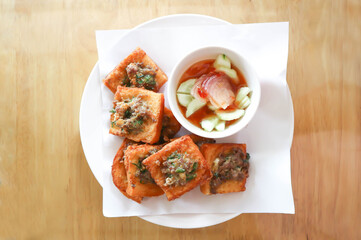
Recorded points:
(229,163)
(119,173)
(136,70)
(170,126)
(199,141)
(140,182)
(137,114)
(178,167)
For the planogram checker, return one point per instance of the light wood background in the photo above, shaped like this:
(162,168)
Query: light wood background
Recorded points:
(47,50)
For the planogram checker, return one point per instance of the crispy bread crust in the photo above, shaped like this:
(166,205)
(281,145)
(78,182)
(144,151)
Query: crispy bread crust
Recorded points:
(199,141)
(182,145)
(211,152)
(116,76)
(170,129)
(119,173)
(156,103)
(135,188)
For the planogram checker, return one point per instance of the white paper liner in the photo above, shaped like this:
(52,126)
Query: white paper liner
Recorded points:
(268,136)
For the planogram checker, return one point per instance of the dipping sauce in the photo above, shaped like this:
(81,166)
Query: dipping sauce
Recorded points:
(208,76)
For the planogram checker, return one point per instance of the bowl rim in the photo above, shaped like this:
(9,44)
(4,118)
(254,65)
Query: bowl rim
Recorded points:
(173,102)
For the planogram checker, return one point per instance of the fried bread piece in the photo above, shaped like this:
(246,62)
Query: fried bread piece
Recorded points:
(136,70)
(178,167)
(170,126)
(229,163)
(137,114)
(140,182)
(119,173)
(199,141)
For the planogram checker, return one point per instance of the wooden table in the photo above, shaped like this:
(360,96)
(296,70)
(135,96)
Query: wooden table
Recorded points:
(47,190)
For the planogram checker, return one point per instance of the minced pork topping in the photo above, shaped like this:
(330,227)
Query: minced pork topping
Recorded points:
(140,75)
(130,114)
(179,168)
(232,165)
(142,173)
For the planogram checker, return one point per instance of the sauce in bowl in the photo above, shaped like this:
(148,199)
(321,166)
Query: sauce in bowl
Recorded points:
(209,67)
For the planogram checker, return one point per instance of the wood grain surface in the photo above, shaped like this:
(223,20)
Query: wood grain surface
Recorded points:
(47,50)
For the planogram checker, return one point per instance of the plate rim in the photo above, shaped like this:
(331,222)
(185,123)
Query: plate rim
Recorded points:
(162,219)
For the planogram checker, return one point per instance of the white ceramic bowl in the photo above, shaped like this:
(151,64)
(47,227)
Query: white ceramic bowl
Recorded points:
(212,52)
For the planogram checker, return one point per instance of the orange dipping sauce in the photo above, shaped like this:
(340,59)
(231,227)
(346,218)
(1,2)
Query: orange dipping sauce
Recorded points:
(197,70)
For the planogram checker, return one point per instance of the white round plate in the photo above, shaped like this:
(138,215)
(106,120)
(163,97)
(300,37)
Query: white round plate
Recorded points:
(90,118)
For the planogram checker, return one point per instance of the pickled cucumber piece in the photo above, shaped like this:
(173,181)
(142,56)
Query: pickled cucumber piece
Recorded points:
(186,86)
(222,61)
(221,125)
(209,123)
(184,99)
(193,106)
(230,72)
(229,115)
(242,92)
(244,103)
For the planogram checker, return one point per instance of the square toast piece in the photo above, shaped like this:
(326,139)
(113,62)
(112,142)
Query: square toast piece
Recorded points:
(229,163)
(178,167)
(170,126)
(140,182)
(136,70)
(137,114)
(199,141)
(119,173)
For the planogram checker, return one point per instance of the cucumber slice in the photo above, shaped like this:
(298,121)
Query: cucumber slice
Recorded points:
(244,103)
(230,72)
(230,115)
(221,125)
(222,61)
(209,123)
(184,99)
(193,106)
(242,92)
(211,107)
(186,86)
